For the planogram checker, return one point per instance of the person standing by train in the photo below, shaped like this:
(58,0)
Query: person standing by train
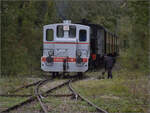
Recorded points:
(109,62)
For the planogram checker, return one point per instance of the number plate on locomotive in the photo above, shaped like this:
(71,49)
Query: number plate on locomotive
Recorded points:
(66,28)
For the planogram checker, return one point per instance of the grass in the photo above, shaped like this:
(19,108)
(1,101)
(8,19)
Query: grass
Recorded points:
(122,94)
(54,102)
(127,92)
(10,101)
(9,84)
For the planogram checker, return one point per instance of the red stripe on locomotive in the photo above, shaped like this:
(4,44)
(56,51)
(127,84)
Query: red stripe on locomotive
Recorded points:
(61,59)
(64,43)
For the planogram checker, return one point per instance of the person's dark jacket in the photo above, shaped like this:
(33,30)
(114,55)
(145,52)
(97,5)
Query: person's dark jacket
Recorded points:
(109,62)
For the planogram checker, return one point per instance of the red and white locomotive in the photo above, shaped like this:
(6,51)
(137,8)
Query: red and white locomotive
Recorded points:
(71,47)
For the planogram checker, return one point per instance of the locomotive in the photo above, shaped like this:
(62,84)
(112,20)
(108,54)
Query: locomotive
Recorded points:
(69,47)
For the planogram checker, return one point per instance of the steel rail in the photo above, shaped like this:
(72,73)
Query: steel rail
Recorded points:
(29,100)
(61,95)
(32,98)
(10,95)
(39,97)
(100,110)
(25,86)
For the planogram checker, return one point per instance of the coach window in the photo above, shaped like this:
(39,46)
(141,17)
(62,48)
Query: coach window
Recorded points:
(49,35)
(82,35)
(60,31)
(72,31)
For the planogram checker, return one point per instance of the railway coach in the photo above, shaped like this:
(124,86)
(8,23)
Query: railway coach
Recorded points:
(71,47)
(101,42)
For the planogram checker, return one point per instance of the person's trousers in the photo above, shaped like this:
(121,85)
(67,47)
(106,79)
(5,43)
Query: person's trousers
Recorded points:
(109,73)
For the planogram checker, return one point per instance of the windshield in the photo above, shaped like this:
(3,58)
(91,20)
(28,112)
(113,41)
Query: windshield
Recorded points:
(64,31)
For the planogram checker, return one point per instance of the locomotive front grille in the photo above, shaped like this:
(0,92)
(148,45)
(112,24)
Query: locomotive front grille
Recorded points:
(61,53)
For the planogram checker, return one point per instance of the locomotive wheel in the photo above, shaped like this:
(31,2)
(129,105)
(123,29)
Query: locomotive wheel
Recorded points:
(80,74)
(55,74)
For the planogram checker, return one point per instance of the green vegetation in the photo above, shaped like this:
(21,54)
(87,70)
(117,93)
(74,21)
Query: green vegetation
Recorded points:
(10,101)
(117,95)
(134,30)
(52,101)
(127,92)
(22,23)
(8,85)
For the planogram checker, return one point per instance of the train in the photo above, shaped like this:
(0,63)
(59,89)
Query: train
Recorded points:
(69,47)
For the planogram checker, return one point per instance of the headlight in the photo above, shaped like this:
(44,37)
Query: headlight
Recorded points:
(79,52)
(51,52)
(49,59)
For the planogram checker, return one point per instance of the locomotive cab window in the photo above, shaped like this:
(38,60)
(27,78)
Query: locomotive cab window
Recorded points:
(60,31)
(82,35)
(72,31)
(49,35)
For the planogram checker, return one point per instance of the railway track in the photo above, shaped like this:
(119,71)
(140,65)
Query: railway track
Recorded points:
(10,93)
(38,95)
(25,86)
(30,99)
(76,95)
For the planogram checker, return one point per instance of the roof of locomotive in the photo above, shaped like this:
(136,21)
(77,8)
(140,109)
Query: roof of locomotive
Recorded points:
(66,22)
(93,25)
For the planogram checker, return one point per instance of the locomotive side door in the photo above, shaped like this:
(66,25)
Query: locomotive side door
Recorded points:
(83,47)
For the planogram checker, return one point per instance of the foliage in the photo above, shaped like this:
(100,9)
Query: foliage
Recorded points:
(139,38)
(22,23)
